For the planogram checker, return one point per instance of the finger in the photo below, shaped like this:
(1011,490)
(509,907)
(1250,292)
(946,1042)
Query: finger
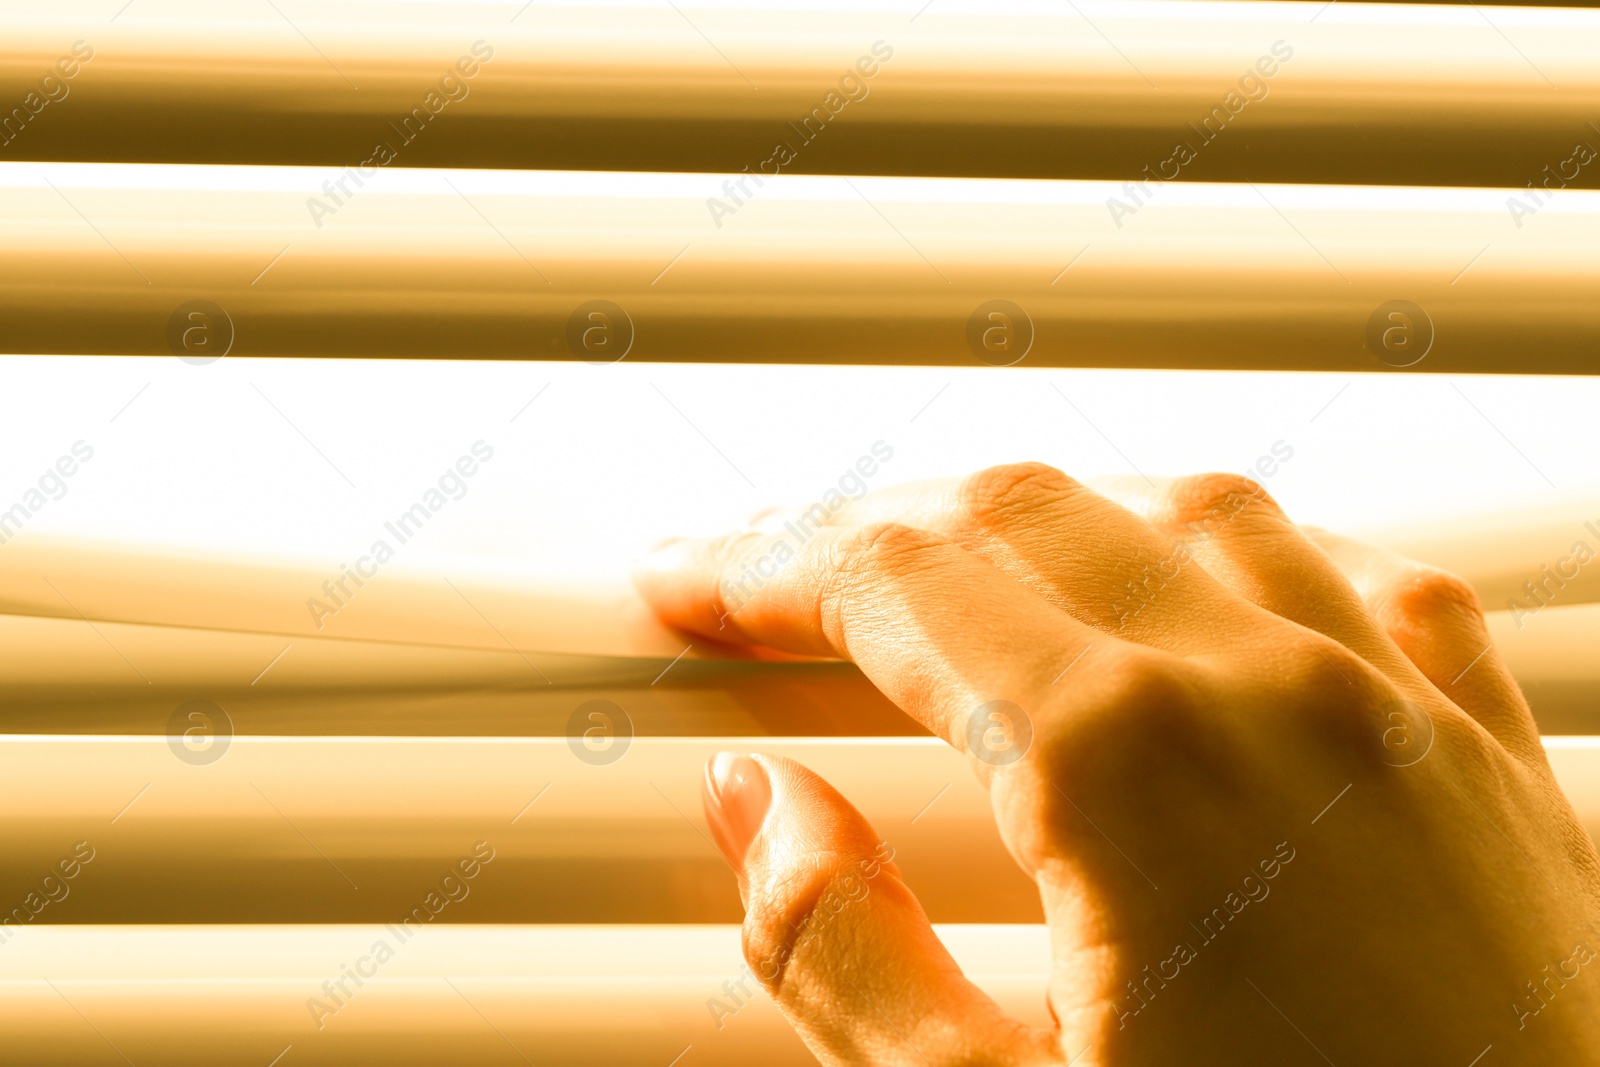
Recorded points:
(940,631)
(1435,619)
(834,935)
(1088,555)
(1237,532)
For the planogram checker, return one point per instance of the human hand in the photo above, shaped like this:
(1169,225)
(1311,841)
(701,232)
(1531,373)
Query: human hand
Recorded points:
(1283,802)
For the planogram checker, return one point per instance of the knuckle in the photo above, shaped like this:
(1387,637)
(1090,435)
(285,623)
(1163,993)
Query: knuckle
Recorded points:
(1350,708)
(1204,503)
(738,572)
(870,558)
(790,912)
(885,550)
(1148,722)
(1000,497)
(1139,705)
(1144,687)
(1160,709)
(1321,665)
(735,549)
(1429,593)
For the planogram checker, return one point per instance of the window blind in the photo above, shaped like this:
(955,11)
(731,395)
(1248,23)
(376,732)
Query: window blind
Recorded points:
(253,795)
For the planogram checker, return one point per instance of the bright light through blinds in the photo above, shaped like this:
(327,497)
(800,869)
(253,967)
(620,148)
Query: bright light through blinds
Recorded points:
(225,496)
(593,464)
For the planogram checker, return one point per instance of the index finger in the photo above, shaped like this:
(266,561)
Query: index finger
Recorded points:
(941,631)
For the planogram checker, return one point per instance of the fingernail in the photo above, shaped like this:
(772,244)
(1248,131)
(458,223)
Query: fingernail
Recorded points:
(766,519)
(664,557)
(737,795)
(664,543)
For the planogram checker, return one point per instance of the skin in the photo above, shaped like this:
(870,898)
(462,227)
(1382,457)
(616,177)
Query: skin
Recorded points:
(1295,736)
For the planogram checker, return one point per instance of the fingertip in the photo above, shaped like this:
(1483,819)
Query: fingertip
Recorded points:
(736,795)
(665,555)
(836,936)
(661,571)
(764,518)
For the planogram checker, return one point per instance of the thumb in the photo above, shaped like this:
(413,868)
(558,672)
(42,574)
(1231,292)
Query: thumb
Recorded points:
(837,938)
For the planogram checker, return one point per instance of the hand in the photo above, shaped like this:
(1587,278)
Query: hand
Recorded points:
(1361,854)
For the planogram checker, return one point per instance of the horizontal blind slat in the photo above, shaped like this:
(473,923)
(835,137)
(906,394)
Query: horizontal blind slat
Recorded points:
(548,265)
(1269,92)
(362,829)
